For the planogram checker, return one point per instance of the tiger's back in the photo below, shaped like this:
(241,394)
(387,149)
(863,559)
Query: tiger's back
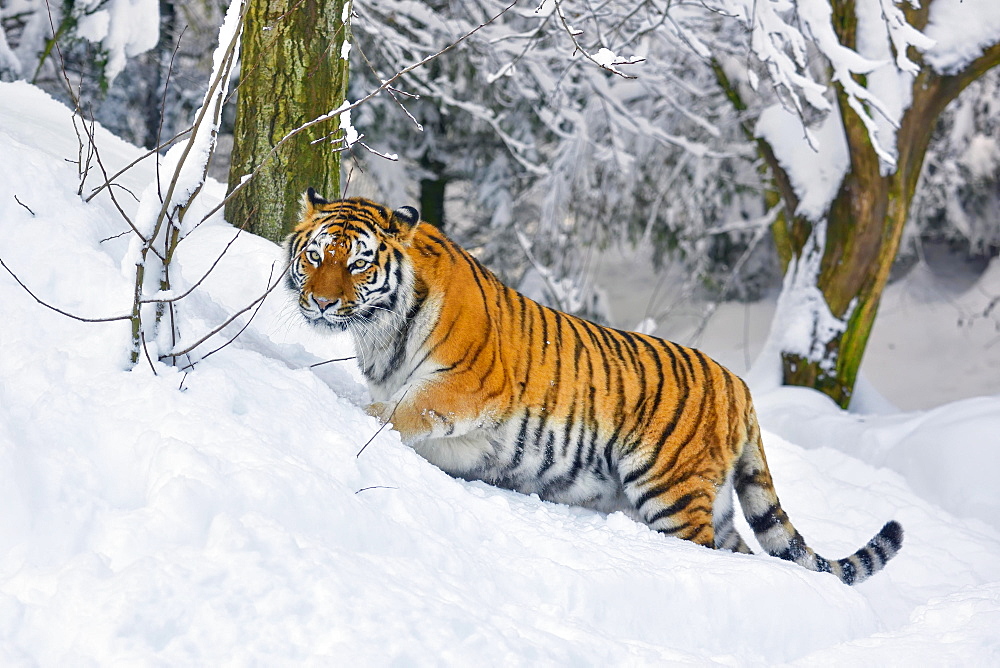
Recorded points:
(490,385)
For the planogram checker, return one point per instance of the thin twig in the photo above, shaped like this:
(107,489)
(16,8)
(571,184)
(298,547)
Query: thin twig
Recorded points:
(339,359)
(146,351)
(58,310)
(114,236)
(229,320)
(24,205)
(365,489)
(163,100)
(377,432)
(383,425)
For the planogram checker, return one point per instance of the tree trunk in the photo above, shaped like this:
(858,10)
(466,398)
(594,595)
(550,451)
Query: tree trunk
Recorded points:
(864,226)
(291,72)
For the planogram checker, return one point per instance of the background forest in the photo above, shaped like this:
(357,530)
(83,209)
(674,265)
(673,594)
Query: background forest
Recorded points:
(736,143)
(522,147)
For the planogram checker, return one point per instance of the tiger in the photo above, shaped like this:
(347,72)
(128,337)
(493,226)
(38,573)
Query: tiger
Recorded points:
(489,385)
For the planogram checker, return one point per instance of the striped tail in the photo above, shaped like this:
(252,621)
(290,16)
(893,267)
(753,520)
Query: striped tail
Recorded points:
(779,538)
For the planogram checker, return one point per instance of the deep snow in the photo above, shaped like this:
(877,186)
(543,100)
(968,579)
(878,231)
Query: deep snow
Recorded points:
(229,515)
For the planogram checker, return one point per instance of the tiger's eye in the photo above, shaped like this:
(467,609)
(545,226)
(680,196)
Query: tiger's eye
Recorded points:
(314,256)
(359,266)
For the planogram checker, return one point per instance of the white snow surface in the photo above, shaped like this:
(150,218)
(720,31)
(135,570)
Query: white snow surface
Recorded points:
(816,168)
(961,30)
(228,516)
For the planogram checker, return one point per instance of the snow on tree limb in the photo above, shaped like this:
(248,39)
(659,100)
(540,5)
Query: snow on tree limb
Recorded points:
(958,40)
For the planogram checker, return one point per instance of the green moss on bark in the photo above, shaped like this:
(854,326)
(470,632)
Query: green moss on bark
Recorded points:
(291,73)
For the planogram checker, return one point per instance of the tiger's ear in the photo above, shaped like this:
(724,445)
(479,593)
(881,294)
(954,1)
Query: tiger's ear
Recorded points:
(404,220)
(310,200)
(314,198)
(407,214)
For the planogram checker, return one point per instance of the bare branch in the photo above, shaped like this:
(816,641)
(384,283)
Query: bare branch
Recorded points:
(339,359)
(148,358)
(383,425)
(24,205)
(58,310)
(228,321)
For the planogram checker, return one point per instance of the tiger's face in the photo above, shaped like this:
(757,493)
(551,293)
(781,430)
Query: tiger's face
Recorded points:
(347,260)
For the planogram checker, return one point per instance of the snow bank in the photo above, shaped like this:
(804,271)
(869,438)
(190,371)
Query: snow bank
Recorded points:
(226,516)
(949,455)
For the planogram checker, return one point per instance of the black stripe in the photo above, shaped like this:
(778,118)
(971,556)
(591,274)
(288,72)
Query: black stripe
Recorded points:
(519,442)
(595,348)
(866,562)
(674,508)
(675,530)
(765,521)
(651,493)
(879,552)
(639,471)
(549,459)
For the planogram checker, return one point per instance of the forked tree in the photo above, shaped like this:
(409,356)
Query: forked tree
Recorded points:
(888,93)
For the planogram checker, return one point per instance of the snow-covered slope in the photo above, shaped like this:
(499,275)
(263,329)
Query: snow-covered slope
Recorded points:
(232,515)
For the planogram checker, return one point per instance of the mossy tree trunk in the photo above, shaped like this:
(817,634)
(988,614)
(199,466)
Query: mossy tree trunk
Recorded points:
(292,71)
(864,224)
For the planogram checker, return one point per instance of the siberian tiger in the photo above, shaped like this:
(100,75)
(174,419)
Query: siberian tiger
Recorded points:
(489,385)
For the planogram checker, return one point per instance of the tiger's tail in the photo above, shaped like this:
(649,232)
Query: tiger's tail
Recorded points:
(775,533)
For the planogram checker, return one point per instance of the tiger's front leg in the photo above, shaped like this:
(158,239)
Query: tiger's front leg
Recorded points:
(461,450)
(416,423)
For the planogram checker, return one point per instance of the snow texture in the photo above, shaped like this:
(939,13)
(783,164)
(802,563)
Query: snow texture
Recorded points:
(803,323)
(815,162)
(961,30)
(225,516)
(125,28)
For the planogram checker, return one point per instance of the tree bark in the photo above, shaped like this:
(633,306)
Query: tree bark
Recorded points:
(291,72)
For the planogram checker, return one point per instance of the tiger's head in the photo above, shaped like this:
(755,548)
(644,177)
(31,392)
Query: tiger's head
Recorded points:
(348,260)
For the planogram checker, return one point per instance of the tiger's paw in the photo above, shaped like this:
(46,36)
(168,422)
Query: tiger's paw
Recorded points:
(379,410)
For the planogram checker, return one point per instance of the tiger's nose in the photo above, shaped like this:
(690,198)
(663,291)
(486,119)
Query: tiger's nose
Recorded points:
(321,303)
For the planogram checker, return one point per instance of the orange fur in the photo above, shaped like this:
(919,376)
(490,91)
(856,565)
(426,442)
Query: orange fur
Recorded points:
(488,384)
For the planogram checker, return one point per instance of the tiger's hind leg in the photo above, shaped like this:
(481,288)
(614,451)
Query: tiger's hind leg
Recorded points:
(726,535)
(688,505)
(678,505)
